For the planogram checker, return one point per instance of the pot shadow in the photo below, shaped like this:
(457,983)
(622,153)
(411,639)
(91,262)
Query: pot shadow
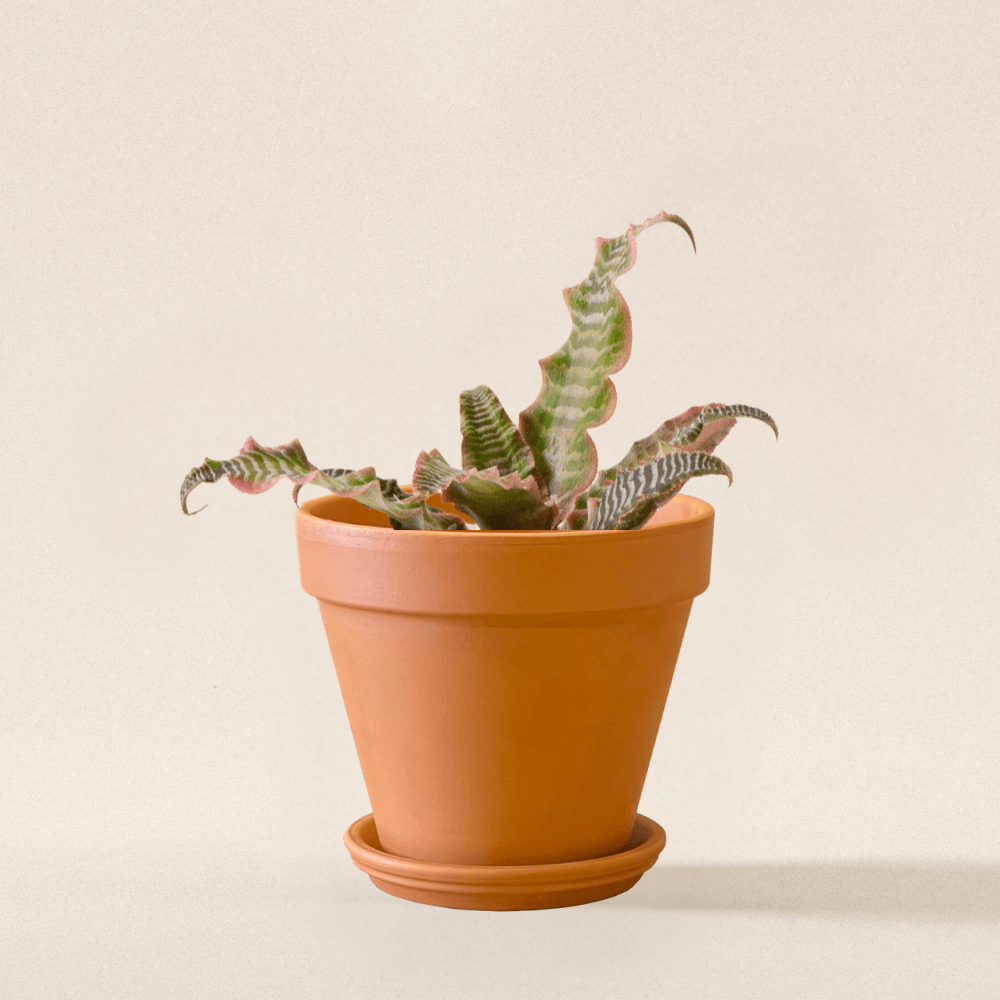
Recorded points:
(901,890)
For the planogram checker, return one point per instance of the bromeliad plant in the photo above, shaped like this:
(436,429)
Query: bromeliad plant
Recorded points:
(541,474)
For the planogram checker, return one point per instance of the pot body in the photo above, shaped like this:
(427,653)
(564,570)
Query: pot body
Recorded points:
(504,689)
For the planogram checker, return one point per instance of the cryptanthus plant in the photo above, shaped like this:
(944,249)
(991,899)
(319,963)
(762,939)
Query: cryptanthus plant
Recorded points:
(541,474)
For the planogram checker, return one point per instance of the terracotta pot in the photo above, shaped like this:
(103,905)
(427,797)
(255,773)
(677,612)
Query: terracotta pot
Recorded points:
(504,689)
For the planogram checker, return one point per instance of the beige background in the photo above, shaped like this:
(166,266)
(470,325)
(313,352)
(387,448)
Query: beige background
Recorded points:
(325,221)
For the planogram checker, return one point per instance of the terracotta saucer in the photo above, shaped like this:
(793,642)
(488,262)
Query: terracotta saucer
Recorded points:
(505,887)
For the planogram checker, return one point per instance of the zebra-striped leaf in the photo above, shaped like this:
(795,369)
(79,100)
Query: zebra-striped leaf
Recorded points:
(630,498)
(257,468)
(576,391)
(254,470)
(700,428)
(489,438)
(432,473)
(495,502)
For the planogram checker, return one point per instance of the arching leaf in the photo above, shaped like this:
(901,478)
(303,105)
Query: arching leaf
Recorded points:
(633,494)
(700,429)
(257,468)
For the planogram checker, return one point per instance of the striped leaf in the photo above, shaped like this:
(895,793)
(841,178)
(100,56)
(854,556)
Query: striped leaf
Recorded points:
(633,494)
(432,473)
(489,438)
(405,510)
(576,391)
(256,469)
(391,490)
(495,502)
(699,429)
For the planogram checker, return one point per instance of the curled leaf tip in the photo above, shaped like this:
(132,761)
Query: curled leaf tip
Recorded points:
(199,474)
(677,220)
(664,217)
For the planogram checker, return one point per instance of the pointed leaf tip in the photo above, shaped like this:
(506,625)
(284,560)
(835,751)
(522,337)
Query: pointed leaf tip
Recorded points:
(718,411)
(670,217)
(190,513)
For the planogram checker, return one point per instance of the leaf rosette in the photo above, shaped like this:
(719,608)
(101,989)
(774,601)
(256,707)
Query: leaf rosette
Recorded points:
(541,473)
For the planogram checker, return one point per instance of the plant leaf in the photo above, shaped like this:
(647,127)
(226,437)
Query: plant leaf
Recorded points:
(258,468)
(489,438)
(254,470)
(407,511)
(432,473)
(391,490)
(501,503)
(495,502)
(632,496)
(700,428)
(712,422)
(576,391)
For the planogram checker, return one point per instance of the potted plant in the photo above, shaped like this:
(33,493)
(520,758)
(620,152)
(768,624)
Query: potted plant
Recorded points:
(505,685)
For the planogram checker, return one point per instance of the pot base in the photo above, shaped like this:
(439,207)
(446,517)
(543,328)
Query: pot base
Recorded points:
(505,887)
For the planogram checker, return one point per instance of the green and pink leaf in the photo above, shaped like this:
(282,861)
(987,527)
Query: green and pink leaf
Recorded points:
(490,440)
(257,468)
(699,429)
(634,494)
(577,392)
(495,502)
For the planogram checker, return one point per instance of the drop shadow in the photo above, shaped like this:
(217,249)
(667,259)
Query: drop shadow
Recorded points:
(902,890)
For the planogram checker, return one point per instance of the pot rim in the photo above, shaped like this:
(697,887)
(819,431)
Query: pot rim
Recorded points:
(681,514)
